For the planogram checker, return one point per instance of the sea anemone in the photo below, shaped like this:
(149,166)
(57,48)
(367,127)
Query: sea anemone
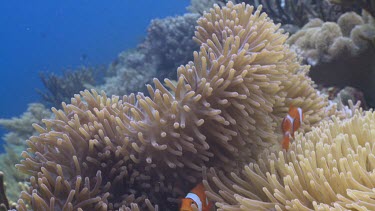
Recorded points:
(331,167)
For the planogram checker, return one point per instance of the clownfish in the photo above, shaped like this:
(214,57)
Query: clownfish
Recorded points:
(290,124)
(198,197)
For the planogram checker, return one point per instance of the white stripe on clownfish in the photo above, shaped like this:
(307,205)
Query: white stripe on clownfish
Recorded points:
(196,199)
(300,114)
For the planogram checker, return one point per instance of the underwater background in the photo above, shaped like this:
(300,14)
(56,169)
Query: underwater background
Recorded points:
(50,36)
(260,104)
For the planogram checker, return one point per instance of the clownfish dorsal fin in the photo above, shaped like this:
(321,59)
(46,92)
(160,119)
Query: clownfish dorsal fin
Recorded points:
(296,112)
(291,107)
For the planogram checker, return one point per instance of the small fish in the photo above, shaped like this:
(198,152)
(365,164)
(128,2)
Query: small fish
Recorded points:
(290,124)
(197,197)
(83,57)
(297,114)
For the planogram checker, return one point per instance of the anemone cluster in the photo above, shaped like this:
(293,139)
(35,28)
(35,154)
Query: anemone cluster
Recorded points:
(330,167)
(141,152)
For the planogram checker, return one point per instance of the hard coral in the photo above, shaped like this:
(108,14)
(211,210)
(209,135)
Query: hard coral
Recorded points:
(19,129)
(368,5)
(168,41)
(298,12)
(198,6)
(22,125)
(61,88)
(4,204)
(129,153)
(331,167)
(127,80)
(164,49)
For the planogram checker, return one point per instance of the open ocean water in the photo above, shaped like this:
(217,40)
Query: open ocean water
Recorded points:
(52,36)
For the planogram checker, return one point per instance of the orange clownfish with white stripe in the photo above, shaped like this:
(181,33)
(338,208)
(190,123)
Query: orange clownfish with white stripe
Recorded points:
(196,197)
(290,124)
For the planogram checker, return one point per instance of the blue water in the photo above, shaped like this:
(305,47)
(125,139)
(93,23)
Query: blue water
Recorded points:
(44,35)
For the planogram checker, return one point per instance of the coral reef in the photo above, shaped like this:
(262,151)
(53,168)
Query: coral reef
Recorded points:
(168,41)
(342,53)
(351,94)
(293,13)
(164,49)
(320,41)
(14,181)
(342,96)
(131,71)
(297,12)
(198,6)
(368,5)
(61,88)
(4,204)
(22,125)
(134,152)
(20,129)
(330,167)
